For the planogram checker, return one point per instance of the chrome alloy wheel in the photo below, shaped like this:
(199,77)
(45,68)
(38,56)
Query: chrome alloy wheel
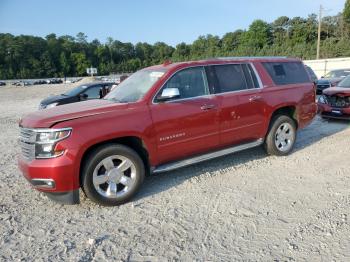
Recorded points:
(114,176)
(284,137)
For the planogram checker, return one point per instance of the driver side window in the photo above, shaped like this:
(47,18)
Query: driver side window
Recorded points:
(191,82)
(93,92)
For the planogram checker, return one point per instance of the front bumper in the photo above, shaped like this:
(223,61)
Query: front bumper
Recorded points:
(56,177)
(326,111)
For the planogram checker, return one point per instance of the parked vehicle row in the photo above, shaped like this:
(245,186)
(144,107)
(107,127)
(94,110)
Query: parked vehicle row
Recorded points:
(21,83)
(162,118)
(112,78)
(48,81)
(37,82)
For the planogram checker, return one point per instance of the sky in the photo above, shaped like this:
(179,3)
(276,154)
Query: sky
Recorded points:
(149,21)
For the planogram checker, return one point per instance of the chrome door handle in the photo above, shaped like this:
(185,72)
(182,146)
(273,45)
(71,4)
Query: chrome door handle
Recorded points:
(254,98)
(207,107)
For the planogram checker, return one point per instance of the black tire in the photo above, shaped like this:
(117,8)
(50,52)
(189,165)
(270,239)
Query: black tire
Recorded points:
(95,159)
(271,139)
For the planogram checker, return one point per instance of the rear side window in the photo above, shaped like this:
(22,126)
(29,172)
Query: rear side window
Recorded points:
(230,78)
(287,73)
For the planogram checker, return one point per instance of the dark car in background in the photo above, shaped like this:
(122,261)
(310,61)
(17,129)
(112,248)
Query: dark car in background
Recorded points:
(335,101)
(331,79)
(84,92)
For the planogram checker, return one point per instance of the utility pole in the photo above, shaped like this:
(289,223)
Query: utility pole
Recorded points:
(319,33)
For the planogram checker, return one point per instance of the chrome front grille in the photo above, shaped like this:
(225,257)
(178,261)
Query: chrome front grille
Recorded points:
(26,142)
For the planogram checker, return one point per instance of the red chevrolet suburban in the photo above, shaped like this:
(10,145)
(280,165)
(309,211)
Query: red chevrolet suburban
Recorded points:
(162,118)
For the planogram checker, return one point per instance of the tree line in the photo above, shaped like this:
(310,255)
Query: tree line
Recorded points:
(36,57)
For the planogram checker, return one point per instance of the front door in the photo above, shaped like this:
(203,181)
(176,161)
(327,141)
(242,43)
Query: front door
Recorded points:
(187,124)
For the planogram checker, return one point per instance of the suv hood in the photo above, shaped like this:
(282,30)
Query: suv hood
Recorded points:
(48,117)
(342,91)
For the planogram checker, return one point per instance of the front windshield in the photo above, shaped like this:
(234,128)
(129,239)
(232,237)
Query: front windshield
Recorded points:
(135,87)
(337,74)
(345,82)
(75,91)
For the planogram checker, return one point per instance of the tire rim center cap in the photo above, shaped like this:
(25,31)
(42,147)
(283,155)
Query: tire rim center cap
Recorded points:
(114,175)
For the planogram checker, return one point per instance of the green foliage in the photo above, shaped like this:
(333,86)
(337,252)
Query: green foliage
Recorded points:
(258,35)
(35,57)
(346,13)
(80,63)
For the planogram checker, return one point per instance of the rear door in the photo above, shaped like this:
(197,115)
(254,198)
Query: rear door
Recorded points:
(241,103)
(188,124)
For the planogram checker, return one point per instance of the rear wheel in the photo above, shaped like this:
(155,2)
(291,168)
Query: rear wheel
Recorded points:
(112,175)
(281,137)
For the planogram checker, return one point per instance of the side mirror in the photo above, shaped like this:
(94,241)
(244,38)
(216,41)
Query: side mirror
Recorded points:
(83,96)
(169,93)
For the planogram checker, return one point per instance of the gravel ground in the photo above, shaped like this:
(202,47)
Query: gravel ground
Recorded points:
(246,206)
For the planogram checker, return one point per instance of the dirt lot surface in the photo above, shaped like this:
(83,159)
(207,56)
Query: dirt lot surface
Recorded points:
(245,206)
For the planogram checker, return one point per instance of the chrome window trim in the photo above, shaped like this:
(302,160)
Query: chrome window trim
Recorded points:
(210,94)
(257,76)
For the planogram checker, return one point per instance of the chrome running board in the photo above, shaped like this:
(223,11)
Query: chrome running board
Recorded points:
(205,157)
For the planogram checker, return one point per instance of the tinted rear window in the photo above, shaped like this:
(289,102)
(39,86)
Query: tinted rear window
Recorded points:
(230,78)
(287,73)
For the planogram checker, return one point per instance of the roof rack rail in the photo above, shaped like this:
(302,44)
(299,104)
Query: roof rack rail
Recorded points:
(250,57)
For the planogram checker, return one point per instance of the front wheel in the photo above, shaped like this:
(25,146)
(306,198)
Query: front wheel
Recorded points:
(112,175)
(281,137)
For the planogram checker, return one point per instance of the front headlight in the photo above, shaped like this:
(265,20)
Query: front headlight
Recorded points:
(322,100)
(46,140)
(51,105)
